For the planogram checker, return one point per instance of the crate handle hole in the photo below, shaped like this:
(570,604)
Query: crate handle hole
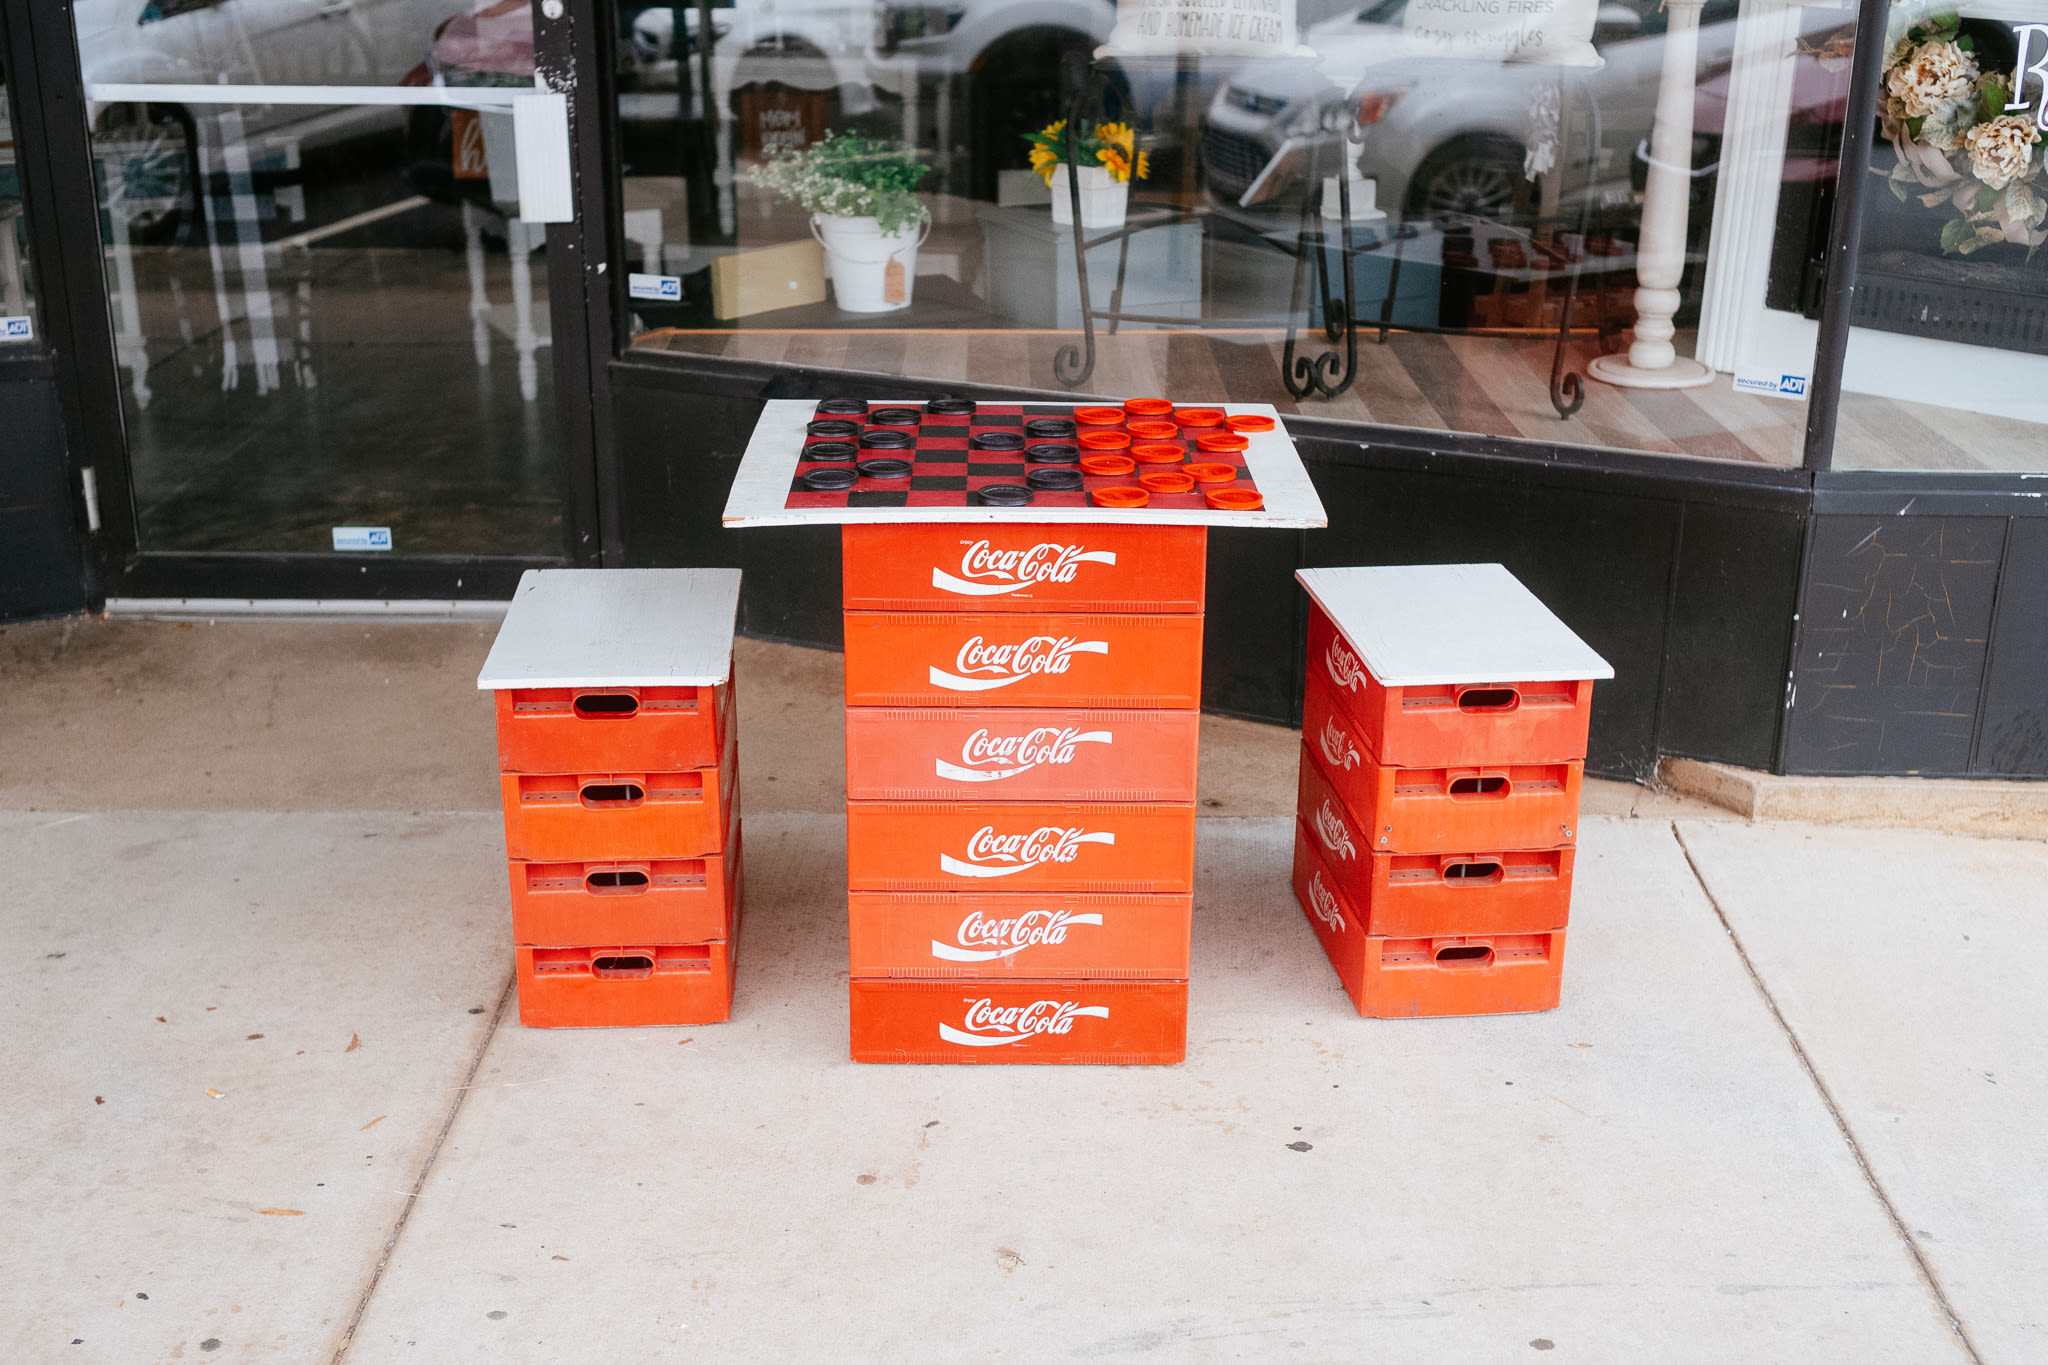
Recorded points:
(617,881)
(1464,955)
(607,705)
(1489,699)
(1479,785)
(614,794)
(622,966)
(1471,874)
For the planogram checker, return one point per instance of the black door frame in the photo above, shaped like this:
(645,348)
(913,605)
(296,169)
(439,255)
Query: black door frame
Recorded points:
(65,242)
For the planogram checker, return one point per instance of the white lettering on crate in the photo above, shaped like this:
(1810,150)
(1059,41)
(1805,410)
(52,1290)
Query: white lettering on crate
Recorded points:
(991,758)
(1330,829)
(1322,902)
(1012,663)
(1337,746)
(1015,569)
(990,854)
(981,939)
(988,1024)
(1343,666)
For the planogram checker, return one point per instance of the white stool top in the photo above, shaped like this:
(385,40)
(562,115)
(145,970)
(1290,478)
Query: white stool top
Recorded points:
(1418,624)
(616,628)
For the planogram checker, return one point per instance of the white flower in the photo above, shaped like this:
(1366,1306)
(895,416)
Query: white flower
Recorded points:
(2002,150)
(1932,75)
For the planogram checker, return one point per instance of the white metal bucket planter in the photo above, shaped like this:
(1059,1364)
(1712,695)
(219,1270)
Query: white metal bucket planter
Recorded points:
(872,271)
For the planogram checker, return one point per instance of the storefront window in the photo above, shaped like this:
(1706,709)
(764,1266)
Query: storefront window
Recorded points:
(331,323)
(1513,173)
(17,293)
(1947,365)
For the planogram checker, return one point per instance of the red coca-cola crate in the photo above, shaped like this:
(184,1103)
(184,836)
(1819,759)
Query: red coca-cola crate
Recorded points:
(1018,659)
(935,753)
(611,729)
(1082,1023)
(975,935)
(1475,972)
(1129,846)
(1443,665)
(1008,566)
(610,817)
(1443,810)
(625,987)
(646,900)
(1419,895)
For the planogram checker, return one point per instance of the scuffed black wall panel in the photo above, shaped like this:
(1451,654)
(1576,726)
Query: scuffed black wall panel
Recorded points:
(1897,613)
(1602,562)
(1730,641)
(41,573)
(1251,649)
(2013,738)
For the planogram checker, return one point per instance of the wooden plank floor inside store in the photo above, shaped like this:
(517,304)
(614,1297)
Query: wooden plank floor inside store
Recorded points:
(1491,385)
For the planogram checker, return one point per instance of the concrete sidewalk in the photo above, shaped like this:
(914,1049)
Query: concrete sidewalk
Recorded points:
(279,1107)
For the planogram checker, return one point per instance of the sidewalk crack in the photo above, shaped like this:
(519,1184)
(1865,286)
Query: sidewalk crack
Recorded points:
(419,1184)
(1827,1099)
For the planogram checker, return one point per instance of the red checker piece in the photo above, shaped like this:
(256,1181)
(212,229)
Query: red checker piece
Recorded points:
(1235,500)
(1104,440)
(1153,431)
(1249,421)
(1107,466)
(1173,481)
(1199,417)
(1158,452)
(1211,473)
(1221,442)
(1147,407)
(1121,496)
(1099,417)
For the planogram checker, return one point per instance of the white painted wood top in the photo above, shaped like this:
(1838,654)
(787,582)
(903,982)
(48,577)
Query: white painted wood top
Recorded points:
(616,628)
(1417,624)
(768,467)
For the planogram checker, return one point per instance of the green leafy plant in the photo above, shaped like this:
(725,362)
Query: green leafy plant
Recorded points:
(848,175)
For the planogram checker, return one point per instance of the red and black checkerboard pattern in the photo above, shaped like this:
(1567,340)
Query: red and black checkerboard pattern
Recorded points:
(944,472)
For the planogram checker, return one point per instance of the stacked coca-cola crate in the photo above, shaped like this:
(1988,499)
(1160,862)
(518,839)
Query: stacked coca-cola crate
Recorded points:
(619,767)
(1022,729)
(1443,747)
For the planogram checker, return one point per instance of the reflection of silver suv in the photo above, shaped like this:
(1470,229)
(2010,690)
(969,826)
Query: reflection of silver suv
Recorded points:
(1444,135)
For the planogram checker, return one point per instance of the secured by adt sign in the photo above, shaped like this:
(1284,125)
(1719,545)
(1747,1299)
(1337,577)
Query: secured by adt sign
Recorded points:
(362,537)
(660,288)
(1773,385)
(16,329)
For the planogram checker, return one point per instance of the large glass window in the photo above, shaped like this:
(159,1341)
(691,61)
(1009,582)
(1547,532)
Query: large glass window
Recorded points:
(1585,221)
(1947,365)
(330,321)
(17,292)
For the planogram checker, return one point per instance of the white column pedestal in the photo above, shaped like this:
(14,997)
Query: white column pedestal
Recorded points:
(1651,362)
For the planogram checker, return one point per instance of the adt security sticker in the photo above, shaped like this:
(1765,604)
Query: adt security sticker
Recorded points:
(1770,385)
(16,329)
(362,537)
(659,288)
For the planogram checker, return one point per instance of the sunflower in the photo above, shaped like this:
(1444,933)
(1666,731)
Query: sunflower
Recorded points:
(1119,165)
(1044,148)
(1119,151)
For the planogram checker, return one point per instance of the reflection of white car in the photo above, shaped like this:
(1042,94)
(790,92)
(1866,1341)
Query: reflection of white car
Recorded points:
(237,42)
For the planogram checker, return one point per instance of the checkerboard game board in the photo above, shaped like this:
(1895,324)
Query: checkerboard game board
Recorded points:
(945,471)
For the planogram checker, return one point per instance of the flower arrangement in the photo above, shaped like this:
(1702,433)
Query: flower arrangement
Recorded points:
(1112,146)
(846,175)
(1956,144)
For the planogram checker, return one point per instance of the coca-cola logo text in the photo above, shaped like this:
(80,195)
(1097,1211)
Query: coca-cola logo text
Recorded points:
(986,757)
(987,1024)
(990,854)
(1003,664)
(982,938)
(1338,749)
(1322,903)
(1011,570)
(1344,668)
(1331,830)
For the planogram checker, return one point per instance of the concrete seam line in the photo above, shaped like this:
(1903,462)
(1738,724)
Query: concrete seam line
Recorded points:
(355,1320)
(1827,1099)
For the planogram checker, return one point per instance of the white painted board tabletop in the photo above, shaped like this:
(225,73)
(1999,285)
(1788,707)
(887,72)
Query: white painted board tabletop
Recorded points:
(616,628)
(1418,624)
(769,467)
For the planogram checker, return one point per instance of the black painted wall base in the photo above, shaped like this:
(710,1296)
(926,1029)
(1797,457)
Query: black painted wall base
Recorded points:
(41,568)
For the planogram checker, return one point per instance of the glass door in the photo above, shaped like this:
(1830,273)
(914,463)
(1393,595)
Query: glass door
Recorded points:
(328,288)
